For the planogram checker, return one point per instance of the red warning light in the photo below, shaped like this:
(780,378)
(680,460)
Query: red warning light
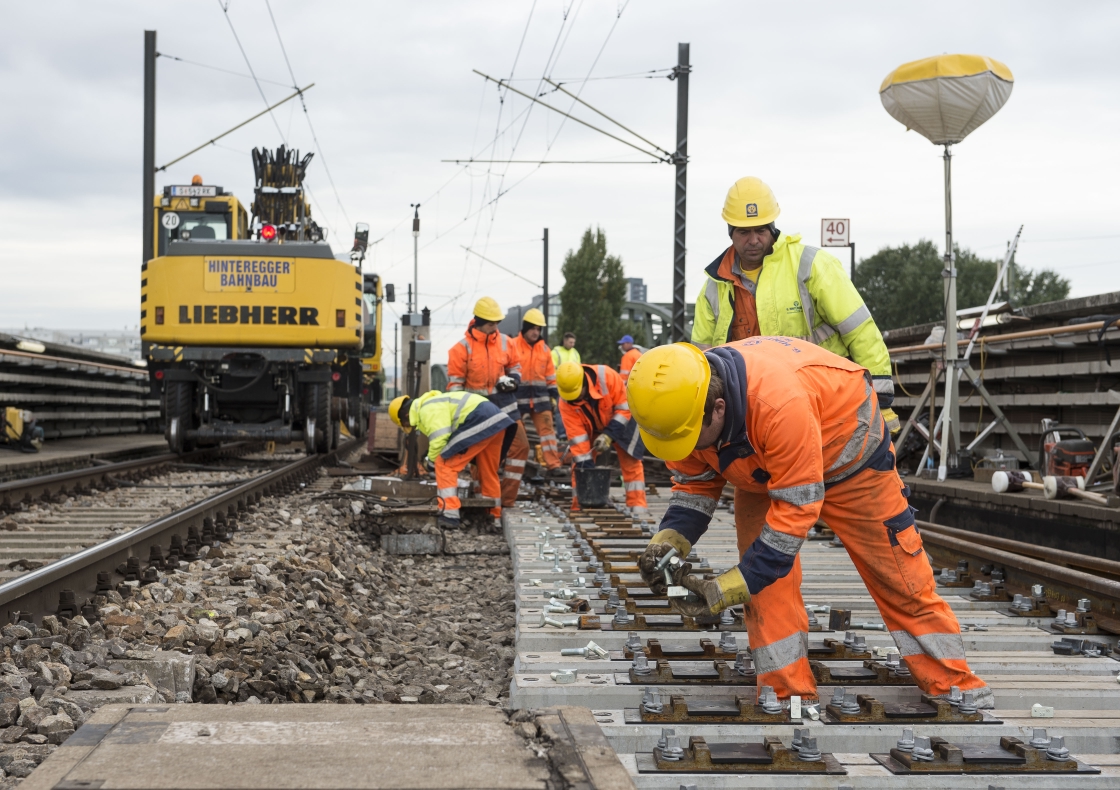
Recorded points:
(336,376)
(268,232)
(159,375)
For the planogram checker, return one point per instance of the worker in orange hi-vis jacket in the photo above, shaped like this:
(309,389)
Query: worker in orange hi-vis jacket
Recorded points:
(594,409)
(802,427)
(630,354)
(485,363)
(537,393)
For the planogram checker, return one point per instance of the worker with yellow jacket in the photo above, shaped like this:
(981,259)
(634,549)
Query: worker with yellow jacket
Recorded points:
(462,428)
(769,283)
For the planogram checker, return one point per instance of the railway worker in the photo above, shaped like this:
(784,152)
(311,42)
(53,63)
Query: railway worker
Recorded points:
(565,352)
(802,427)
(462,428)
(595,412)
(630,355)
(485,363)
(769,283)
(538,391)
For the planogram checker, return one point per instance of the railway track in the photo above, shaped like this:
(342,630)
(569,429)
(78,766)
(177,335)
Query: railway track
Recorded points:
(705,690)
(145,523)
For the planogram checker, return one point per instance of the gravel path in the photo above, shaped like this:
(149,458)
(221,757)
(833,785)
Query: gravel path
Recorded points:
(303,606)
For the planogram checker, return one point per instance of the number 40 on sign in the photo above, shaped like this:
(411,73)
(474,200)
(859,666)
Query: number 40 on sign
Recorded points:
(835,232)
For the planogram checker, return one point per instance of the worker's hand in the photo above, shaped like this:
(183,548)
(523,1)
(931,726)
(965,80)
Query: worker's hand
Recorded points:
(602,443)
(715,595)
(658,547)
(506,384)
(893,423)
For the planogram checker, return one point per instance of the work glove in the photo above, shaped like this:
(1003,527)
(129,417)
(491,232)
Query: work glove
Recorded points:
(893,423)
(658,547)
(506,384)
(602,443)
(715,595)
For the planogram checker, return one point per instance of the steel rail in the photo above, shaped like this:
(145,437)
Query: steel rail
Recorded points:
(30,489)
(1062,587)
(1069,559)
(37,592)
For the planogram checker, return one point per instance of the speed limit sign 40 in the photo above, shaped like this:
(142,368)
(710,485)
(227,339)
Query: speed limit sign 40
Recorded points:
(835,232)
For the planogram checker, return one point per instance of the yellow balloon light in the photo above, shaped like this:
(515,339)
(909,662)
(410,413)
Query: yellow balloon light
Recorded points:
(946,98)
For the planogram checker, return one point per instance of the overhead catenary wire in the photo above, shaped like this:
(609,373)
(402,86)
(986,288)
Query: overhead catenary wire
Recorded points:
(503,268)
(245,56)
(572,117)
(307,116)
(218,68)
(213,140)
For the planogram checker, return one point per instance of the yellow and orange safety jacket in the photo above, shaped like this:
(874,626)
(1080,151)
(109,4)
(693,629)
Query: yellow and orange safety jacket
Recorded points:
(476,363)
(605,411)
(799,420)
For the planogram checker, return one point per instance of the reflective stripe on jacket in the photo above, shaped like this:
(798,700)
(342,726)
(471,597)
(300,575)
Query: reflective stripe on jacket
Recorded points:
(560,355)
(799,420)
(453,421)
(606,411)
(538,375)
(627,364)
(802,292)
(476,363)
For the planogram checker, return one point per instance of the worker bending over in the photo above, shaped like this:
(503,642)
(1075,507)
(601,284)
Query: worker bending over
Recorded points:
(485,363)
(461,428)
(630,355)
(594,409)
(769,283)
(537,393)
(802,426)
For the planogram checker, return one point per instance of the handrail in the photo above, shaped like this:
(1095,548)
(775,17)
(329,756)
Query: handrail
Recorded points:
(1028,333)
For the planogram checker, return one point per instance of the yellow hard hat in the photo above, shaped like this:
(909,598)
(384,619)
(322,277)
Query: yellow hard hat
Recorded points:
(666,392)
(395,407)
(569,380)
(488,310)
(750,203)
(533,316)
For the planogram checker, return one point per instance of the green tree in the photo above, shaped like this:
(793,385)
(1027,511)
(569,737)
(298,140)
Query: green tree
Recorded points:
(903,285)
(591,300)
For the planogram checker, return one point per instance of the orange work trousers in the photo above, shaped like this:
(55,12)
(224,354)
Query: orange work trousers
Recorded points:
(550,448)
(485,456)
(516,456)
(633,478)
(899,579)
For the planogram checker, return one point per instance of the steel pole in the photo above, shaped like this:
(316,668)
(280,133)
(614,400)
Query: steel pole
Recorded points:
(415,258)
(680,159)
(950,408)
(544,304)
(148,225)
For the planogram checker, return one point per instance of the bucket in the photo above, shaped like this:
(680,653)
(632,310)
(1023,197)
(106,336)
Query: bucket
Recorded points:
(593,487)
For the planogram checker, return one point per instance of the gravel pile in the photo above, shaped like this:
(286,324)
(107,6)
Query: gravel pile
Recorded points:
(303,606)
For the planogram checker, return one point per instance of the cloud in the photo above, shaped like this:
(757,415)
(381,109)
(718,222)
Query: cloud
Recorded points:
(786,92)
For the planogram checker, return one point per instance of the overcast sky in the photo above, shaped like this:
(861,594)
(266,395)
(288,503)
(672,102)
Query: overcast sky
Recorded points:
(784,91)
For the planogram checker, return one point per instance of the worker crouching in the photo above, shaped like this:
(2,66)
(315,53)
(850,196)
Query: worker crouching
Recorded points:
(594,409)
(801,426)
(461,428)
